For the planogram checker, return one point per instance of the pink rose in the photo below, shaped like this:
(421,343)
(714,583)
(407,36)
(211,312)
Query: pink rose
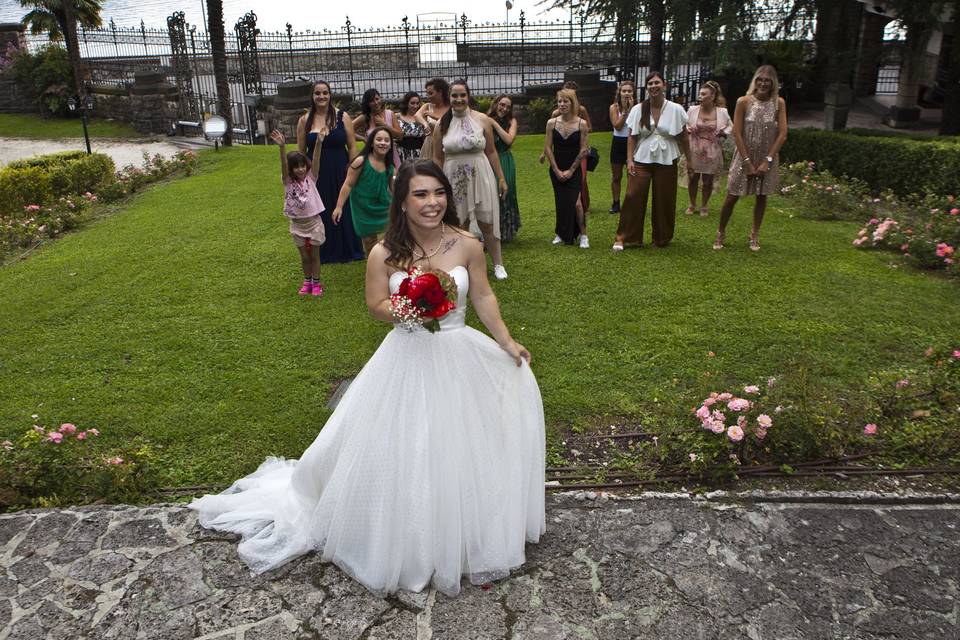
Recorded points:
(751,389)
(902,383)
(738,404)
(703,412)
(869,429)
(954,211)
(709,402)
(873,221)
(735,433)
(760,432)
(67,429)
(82,435)
(723,397)
(764,421)
(93,432)
(716,426)
(928,352)
(54,437)
(692,456)
(115,461)
(956,353)
(771,382)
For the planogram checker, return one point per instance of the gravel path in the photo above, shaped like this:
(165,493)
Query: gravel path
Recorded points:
(122,152)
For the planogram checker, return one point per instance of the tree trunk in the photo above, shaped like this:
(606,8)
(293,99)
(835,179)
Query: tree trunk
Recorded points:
(950,124)
(218,50)
(73,45)
(657,23)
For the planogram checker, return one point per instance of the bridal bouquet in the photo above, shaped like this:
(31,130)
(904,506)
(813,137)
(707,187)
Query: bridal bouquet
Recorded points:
(423,298)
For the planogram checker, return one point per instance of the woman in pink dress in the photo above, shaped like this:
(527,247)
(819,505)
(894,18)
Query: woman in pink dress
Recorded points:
(707,124)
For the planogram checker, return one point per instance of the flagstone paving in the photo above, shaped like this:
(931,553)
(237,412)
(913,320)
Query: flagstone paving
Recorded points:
(760,566)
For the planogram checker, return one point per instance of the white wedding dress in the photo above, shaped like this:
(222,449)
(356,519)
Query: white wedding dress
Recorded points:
(431,468)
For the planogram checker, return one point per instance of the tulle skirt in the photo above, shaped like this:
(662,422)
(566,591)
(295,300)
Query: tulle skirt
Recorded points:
(431,468)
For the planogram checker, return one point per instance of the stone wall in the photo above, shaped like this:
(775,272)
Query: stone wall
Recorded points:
(14,99)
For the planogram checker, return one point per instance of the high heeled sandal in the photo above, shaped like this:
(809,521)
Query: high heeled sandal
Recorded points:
(718,242)
(689,211)
(704,212)
(754,242)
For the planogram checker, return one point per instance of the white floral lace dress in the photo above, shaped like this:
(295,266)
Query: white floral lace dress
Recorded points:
(470,173)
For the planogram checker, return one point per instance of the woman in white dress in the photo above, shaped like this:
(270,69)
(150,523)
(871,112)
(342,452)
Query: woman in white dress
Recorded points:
(432,466)
(464,147)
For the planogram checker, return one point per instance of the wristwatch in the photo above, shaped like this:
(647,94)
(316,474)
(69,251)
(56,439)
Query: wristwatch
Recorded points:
(769,159)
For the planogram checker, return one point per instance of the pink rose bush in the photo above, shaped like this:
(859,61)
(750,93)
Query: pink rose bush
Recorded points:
(51,217)
(926,236)
(65,465)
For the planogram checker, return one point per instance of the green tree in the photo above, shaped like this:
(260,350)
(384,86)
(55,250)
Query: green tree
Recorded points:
(58,19)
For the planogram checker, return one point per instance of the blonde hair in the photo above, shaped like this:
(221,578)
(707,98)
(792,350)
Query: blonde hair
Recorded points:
(718,98)
(570,95)
(775,82)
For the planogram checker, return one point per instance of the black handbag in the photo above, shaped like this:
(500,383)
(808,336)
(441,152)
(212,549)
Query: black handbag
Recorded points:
(593,158)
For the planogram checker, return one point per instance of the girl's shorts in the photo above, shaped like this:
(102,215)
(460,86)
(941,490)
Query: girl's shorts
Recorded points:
(312,229)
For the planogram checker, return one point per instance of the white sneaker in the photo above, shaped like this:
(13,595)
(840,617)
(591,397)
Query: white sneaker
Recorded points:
(584,242)
(556,240)
(499,272)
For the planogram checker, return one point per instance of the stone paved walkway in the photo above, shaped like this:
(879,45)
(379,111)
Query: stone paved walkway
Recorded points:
(655,567)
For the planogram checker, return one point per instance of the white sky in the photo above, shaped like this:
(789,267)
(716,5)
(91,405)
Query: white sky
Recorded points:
(311,14)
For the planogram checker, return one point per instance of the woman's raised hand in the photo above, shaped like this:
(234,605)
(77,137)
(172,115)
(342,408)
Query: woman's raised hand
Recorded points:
(277,137)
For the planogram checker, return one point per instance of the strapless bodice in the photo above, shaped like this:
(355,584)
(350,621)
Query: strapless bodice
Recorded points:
(455,319)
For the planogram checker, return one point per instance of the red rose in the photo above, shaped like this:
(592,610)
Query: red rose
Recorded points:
(419,287)
(440,310)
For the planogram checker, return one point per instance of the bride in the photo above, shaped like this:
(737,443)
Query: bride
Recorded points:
(432,466)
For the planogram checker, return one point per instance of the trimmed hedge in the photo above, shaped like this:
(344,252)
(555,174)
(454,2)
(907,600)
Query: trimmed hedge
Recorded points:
(904,165)
(44,179)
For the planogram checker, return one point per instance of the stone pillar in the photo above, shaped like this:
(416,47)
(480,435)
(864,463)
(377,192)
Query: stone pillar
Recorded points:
(837,99)
(870,54)
(153,102)
(12,33)
(594,94)
(292,100)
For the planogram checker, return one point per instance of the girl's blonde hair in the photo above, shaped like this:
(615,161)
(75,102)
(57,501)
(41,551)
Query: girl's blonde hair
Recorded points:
(718,98)
(570,95)
(772,72)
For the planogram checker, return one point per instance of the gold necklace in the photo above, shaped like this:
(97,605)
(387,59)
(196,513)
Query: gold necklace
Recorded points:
(424,256)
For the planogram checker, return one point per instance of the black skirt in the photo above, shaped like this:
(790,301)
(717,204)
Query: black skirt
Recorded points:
(618,150)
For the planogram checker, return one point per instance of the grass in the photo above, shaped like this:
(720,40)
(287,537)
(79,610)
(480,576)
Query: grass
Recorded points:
(177,318)
(19,125)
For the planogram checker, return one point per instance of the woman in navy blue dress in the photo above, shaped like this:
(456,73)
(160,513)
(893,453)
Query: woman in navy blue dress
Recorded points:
(326,123)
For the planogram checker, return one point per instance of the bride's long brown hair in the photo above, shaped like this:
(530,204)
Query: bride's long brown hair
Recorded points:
(397,239)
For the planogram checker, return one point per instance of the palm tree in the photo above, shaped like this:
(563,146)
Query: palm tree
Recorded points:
(218,51)
(59,21)
(48,16)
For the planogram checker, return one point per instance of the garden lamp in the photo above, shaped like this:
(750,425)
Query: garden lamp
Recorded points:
(85,104)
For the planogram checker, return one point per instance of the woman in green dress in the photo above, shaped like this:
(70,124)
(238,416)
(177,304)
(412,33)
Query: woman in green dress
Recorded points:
(505,130)
(368,186)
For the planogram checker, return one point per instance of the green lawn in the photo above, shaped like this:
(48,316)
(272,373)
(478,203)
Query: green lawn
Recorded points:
(177,318)
(20,125)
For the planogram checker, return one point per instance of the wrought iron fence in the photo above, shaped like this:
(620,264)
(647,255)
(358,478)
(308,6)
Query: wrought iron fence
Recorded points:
(493,58)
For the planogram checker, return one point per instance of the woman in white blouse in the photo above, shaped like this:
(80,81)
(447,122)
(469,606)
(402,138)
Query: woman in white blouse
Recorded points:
(657,137)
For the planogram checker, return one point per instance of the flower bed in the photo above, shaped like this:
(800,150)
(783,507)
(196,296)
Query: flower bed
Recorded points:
(49,218)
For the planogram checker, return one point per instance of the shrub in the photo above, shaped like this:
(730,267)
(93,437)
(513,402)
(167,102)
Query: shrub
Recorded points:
(901,164)
(65,466)
(538,112)
(927,236)
(32,222)
(44,179)
(47,76)
(482,103)
(822,195)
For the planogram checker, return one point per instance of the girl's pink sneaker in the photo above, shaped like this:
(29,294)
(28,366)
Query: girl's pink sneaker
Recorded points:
(317,289)
(306,288)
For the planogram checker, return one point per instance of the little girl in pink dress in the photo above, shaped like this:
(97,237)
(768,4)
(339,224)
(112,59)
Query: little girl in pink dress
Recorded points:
(302,205)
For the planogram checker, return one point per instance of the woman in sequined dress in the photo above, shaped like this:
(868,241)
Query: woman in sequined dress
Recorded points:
(760,129)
